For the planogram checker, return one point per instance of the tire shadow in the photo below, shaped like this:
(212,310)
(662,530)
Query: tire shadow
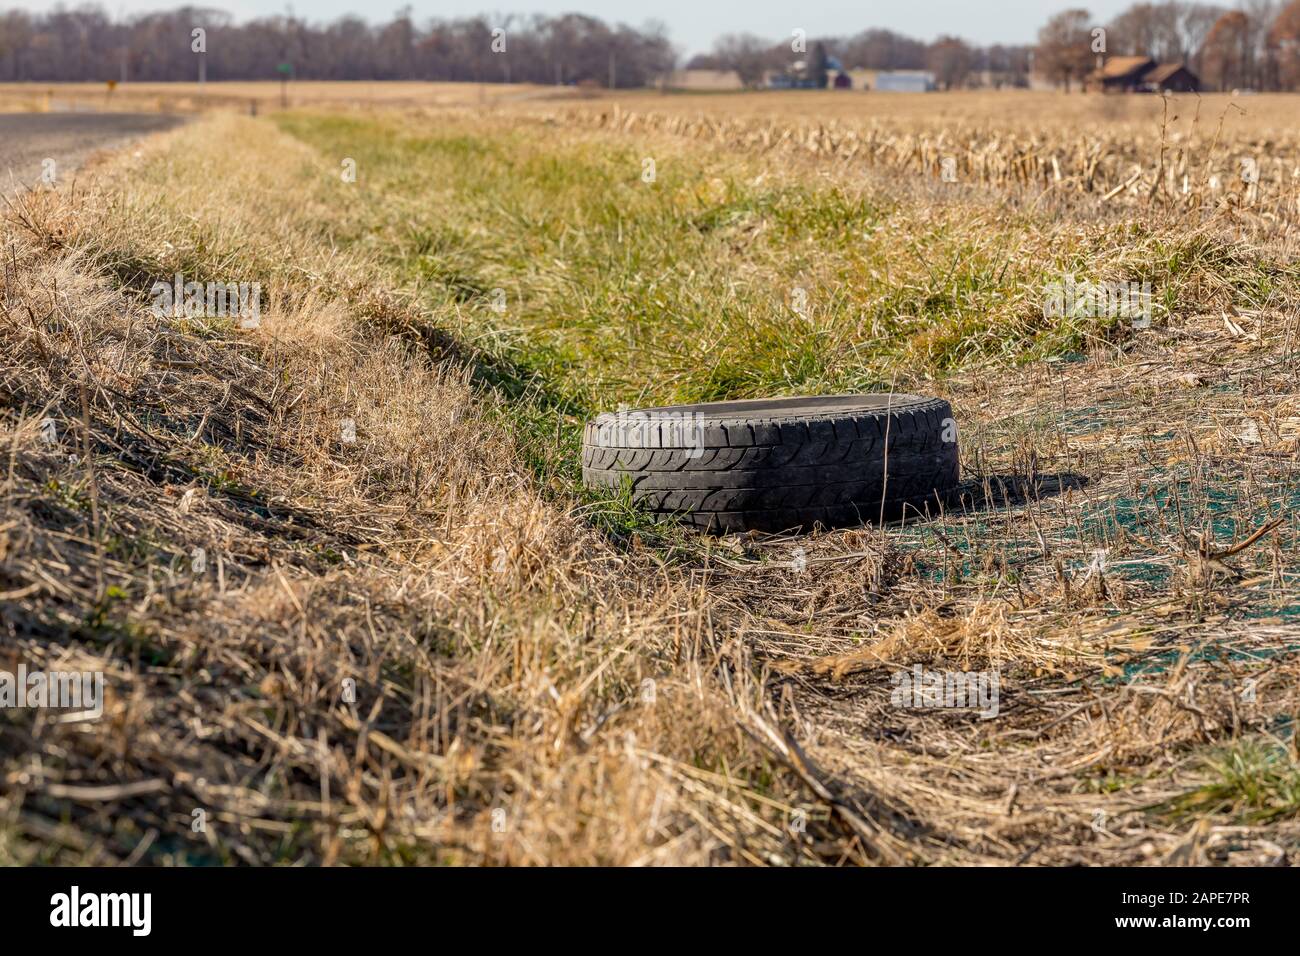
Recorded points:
(1003,491)
(986,493)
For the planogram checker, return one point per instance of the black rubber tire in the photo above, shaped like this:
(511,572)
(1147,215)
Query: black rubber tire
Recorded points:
(784,464)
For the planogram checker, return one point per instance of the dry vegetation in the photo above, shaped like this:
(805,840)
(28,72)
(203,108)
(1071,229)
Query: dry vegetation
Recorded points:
(493,639)
(241,96)
(540,677)
(1185,151)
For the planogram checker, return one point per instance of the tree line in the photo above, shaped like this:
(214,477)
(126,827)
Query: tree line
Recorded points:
(953,61)
(86,44)
(1255,45)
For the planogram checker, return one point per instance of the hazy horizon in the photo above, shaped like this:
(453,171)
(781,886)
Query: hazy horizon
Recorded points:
(692,27)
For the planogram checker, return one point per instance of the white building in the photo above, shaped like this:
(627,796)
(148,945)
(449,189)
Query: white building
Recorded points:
(709,80)
(904,81)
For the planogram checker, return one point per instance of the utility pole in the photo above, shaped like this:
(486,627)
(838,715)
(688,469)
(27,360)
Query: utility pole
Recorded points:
(125,29)
(612,74)
(285,70)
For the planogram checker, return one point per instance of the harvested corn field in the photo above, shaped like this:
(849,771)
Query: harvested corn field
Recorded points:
(1195,154)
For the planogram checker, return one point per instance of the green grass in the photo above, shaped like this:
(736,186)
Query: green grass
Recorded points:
(584,286)
(1252,781)
(710,282)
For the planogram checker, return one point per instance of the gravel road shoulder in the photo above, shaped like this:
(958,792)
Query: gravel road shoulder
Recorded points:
(27,140)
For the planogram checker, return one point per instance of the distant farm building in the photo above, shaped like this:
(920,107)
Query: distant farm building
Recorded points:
(800,75)
(904,81)
(703,80)
(1175,77)
(1141,74)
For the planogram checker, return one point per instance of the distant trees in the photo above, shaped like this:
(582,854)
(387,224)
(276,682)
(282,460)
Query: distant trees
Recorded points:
(1225,57)
(1256,46)
(1283,43)
(1138,31)
(950,60)
(882,50)
(817,66)
(705,61)
(1261,16)
(85,44)
(1064,50)
(748,55)
(954,62)
(1006,65)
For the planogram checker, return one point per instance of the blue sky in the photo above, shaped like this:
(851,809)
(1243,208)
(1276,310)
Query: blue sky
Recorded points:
(693,24)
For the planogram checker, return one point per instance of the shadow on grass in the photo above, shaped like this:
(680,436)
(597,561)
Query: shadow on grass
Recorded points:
(1010,491)
(619,516)
(974,496)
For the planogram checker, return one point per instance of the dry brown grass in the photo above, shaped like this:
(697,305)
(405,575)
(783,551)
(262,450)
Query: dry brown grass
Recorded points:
(1044,111)
(1182,152)
(498,647)
(242,96)
(501,645)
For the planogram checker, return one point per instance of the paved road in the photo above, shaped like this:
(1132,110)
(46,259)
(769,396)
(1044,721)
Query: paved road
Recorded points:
(27,140)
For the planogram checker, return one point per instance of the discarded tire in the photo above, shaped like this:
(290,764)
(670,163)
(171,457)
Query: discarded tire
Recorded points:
(779,464)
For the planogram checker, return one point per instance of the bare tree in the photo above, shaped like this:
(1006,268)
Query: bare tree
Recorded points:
(1135,32)
(1261,15)
(745,53)
(1006,65)
(1195,22)
(1065,47)
(950,60)
(1225,57)
(1284,46)
(882,50)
